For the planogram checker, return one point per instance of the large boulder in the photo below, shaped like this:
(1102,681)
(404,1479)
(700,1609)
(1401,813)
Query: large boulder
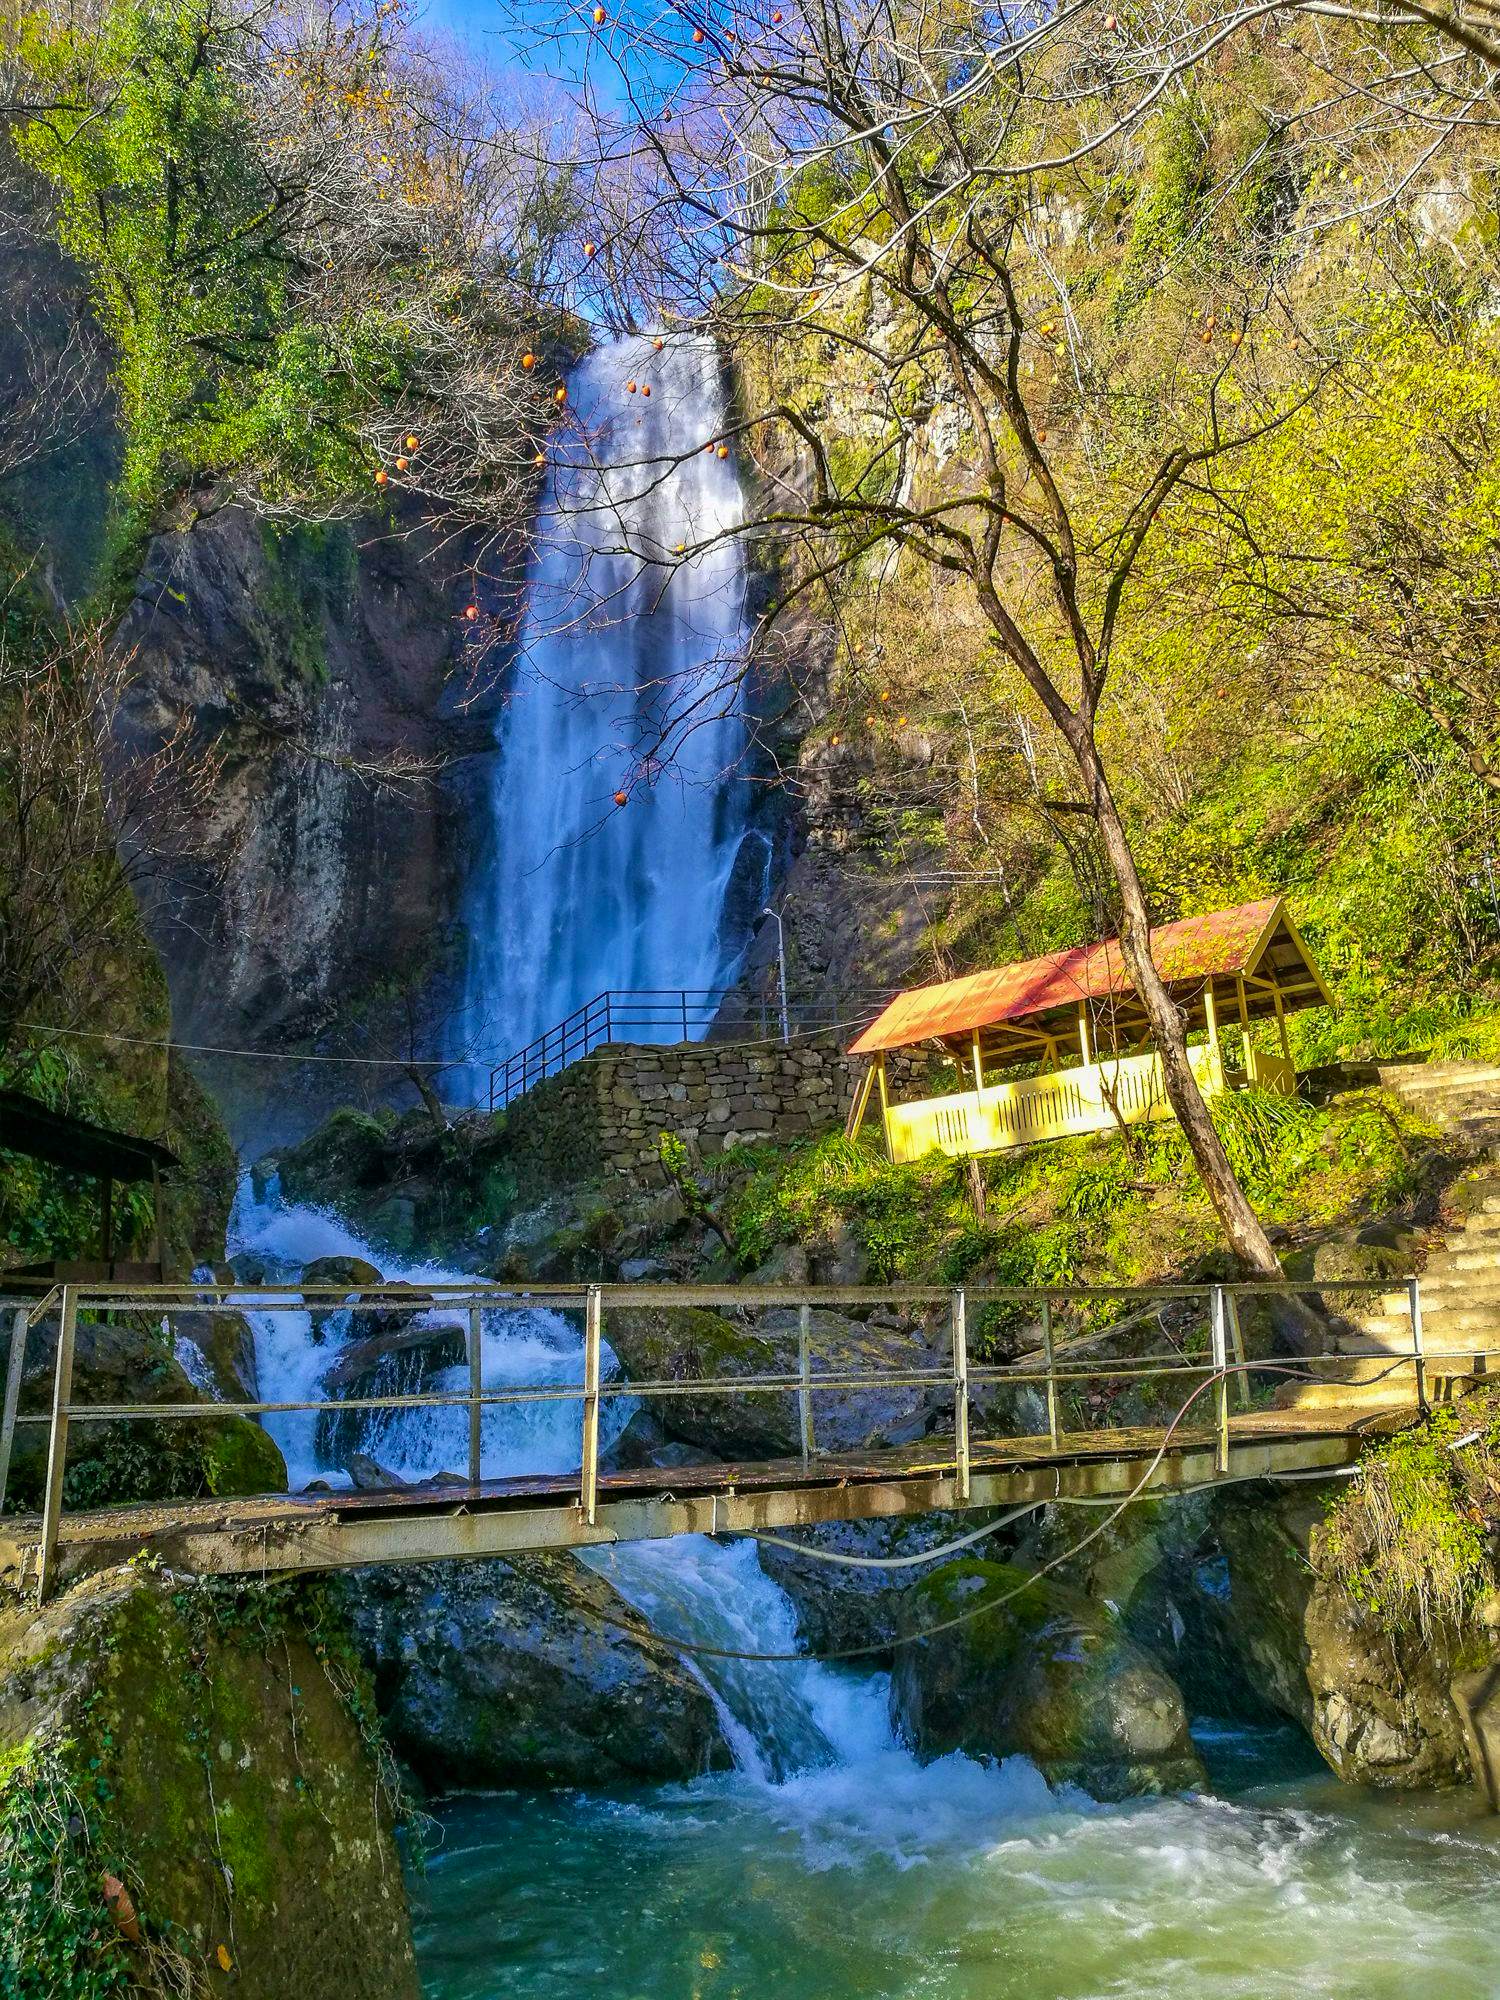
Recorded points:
(841,1605)
(216,1350)
(208,1748)
(1158,1568)
(527,1671)
(1045,1674)
(1377,1702)
(133,1361)
(683,1344)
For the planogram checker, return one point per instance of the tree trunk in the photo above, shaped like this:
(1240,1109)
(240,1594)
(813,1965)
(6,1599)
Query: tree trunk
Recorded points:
(433,1105)
(1242,1226)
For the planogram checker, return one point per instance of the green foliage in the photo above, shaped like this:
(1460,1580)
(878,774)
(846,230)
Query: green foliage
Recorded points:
(1168,202)
(1411,1538)
(312,572)
(170,203)
(1107,1209)
(57,1939)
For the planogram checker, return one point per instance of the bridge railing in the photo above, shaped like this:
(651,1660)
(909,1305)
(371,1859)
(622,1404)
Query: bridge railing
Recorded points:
(1060,1339)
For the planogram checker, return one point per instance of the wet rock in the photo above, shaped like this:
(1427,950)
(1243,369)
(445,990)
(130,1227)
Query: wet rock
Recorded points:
(407,1362)
(368,1475)
(1159,1569)
(529,1671)
(225,1344)
(637,1445)
(1046,1675)
(683,1344)
(641,1270)
(133,1361)
(350,1273)
(1377,1703)
(840,1606)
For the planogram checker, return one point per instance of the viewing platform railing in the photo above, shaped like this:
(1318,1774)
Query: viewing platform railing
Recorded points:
(658,1014)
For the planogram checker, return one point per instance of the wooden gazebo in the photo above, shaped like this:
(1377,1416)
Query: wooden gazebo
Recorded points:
(1073,1020)
(78,1146)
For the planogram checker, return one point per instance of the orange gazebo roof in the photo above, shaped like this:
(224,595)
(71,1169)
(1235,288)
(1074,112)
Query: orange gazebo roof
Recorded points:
(1254,942)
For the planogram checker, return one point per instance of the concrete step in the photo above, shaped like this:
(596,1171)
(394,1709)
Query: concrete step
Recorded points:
(1402,1076)
(1451,1258)
(1334,1395)
(1465,1321)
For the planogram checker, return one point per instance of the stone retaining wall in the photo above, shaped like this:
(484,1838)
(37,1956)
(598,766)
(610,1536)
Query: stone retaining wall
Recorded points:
(602,1119)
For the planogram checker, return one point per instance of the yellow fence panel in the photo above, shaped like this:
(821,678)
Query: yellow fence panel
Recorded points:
(1122,1090)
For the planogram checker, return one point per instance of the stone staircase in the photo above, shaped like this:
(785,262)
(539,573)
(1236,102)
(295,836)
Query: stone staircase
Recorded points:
(1460,1277)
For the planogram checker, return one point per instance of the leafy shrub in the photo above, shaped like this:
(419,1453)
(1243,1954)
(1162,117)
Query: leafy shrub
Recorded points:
(1410,1537)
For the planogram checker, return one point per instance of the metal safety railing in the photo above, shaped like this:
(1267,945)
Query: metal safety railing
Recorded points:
(1053,1367)
(662,1014)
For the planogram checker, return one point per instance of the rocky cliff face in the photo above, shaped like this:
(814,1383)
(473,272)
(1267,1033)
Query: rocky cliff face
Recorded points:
(327,666)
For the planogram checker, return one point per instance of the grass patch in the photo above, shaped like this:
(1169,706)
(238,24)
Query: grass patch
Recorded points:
(1411,1537)
(1111,1209)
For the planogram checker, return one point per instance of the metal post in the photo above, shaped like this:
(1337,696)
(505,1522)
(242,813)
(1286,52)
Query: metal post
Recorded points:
(476,1389)
(1217,1323)
(1414,1296)
(786,1031)
(593,1325)
(13,1367)
(1237,1348)
(57,1454)
(961,1391)
(804,1390)
(1051,1377)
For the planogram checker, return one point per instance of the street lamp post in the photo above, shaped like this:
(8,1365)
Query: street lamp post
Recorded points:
(786,1033)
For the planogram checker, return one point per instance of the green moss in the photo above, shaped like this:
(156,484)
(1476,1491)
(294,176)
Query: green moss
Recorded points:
(1106,1209)
(1411,1538)
(310,576)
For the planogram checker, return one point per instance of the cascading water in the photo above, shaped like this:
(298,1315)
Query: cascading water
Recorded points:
(625,649)
(626,683)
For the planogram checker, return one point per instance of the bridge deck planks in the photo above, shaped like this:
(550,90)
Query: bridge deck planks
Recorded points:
(145,1521)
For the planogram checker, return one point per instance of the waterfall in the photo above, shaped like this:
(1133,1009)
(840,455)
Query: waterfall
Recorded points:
(626,683)
(778,1720)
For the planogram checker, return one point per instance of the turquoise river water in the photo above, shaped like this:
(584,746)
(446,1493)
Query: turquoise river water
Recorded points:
(830,1865)
(883,1882)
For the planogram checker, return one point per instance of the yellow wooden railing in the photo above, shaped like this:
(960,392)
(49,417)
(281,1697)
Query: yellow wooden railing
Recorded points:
(1093,1098)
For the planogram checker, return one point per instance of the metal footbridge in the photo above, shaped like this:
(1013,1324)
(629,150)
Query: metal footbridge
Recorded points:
(1025,1397)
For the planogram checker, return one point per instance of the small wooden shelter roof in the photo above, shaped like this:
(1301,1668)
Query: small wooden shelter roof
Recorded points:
(1020,1006)
(28,1126)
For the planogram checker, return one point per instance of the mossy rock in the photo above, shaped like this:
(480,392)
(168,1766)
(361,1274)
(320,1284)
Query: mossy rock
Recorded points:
(685,1344)
(1045,1674)
(143,1458)
(1374,1698)
(207,1746)
(530,1671)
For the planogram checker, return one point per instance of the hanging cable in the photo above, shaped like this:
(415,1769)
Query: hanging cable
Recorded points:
(943,1549)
